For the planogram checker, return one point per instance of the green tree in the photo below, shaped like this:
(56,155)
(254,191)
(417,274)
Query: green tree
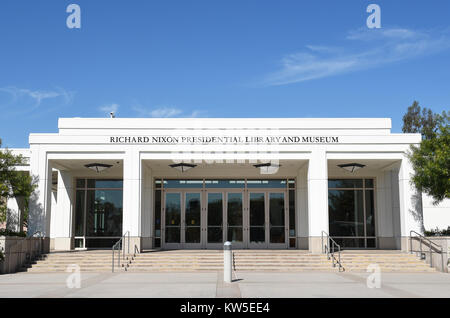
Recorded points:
(431,159)
(13,183)
(422,121)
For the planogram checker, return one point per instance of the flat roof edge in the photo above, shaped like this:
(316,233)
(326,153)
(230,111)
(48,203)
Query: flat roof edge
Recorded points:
(326,123)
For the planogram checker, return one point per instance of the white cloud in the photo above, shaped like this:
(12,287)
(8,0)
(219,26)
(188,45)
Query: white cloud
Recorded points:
(164,112)
(37,95)
(111,108)
(366,49)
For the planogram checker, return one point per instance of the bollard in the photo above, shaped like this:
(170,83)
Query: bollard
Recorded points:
(227,262)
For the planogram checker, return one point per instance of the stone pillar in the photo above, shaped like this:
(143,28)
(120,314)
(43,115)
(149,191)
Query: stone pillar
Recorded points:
(147,208)
(61,232)
(40,201)
(317,199)
(132,186)
(383,217)
(302,208)
(410,202)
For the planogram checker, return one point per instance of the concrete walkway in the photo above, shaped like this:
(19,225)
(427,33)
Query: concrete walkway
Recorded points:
(246,284)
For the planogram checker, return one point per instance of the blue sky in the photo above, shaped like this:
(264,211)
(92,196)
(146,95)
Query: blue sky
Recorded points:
(217,58)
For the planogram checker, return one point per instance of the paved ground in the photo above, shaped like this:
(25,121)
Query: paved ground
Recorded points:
(246,284)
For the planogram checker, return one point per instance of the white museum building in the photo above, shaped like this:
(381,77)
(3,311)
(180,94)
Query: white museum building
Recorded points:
(194,183)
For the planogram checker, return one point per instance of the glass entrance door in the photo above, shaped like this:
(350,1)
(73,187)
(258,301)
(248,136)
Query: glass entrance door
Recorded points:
(267,219)
(172,220)
(183,223)
(235,219)
(192,220)
(257,237)
(277,220)
(214,220)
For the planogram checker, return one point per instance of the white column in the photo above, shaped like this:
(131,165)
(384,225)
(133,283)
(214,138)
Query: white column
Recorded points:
(383,213)
(132,179)
(411,217)
(302,208)
(40,202)
(61,230)
(317,198)
(147,208)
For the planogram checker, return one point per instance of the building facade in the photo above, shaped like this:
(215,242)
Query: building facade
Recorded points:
(195,183)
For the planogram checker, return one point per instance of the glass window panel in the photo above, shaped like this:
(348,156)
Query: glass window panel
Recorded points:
(370,213)
(81,183)
(157,213)
(345,183)
(292,212)
(100,242)
(215,209)
(79,243)
(173,234)
(193,234)
(235,234)
(105,183)
(257,234)
(281,183)
(104,213)
(276,209)
(157,242)
(291,183)
(158,183)
(277,234)
(215,234)
(79,213)
(192,209)
(350,242)
(234,209)
(183,183)
(257,209)
(225,183)
(369,183)
(346,213)
(173,209)
(292,242)
(371,243)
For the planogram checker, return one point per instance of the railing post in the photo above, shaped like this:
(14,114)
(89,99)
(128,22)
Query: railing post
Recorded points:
(113,260)
(420,238)
(410,243)
(321,239)
(431,257)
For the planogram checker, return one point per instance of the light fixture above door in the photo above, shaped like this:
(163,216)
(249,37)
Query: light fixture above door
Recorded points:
(98,167)
(351,167)
(182,166)
(267,167)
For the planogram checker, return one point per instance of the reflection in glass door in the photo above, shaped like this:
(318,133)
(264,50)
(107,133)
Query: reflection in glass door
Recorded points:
(257,220)
(235,228)
(192,219)
(214,214)
(277,219)
(172,231)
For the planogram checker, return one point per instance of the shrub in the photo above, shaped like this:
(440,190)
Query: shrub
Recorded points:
(6,232)
(437,232)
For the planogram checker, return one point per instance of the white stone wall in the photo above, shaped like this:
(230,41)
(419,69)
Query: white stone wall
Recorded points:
(435,216)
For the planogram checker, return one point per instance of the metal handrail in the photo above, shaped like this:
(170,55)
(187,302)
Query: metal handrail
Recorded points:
(118,245)
(430,245)
(330,251)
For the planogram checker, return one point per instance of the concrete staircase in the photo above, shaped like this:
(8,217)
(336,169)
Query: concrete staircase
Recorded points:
(88,261)
(244,260)
(387,262)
